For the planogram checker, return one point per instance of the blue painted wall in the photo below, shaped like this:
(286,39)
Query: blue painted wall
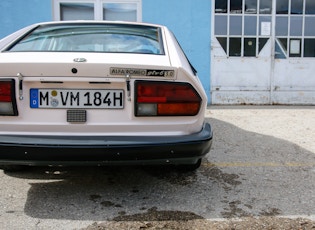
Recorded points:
(16,14)
(190,21)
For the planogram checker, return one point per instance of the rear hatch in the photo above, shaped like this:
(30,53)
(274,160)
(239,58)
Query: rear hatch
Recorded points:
(85,93)
(99,65)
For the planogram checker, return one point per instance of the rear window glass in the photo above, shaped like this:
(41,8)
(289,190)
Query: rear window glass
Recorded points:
(107,38)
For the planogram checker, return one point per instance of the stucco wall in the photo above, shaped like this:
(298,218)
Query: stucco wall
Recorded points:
(188,19)
(16,14)
(190,22)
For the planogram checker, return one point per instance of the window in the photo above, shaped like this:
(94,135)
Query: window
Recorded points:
(295,31)
(265,6)
(223,43)
(251,7)
(249,47)
(236,7)
(92,37)
(113,10)
(280,49)
(297,7)
(76,11)
(309,48)
(121,11)
(242,27)
(282,7)
(221,6)
(235,47)
(310,7)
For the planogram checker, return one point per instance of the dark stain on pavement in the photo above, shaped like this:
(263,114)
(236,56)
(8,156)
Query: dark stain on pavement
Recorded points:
(228,181)
(153,214)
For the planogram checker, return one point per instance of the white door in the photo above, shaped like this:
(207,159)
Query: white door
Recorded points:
(263,52)
(294,67)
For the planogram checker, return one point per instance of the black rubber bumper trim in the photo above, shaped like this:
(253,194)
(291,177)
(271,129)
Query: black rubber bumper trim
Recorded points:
(80,149)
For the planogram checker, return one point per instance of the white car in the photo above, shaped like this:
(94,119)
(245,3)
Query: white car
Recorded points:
(99,93)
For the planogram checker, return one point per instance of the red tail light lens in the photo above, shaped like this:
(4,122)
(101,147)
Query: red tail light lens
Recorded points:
(5,91)
(7,98)
(166,99)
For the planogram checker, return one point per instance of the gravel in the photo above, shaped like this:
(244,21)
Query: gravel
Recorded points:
(264,223)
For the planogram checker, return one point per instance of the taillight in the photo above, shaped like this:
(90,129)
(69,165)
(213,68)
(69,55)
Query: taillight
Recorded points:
(7,98)
(166,99)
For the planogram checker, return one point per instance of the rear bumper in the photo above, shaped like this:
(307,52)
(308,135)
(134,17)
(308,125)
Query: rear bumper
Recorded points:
(104,150)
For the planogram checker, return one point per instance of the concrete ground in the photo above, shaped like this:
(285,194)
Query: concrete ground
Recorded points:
(259,174)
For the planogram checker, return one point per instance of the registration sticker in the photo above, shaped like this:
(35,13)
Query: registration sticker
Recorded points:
(77,98)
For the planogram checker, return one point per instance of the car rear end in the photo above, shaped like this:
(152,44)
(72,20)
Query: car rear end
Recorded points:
(84,99)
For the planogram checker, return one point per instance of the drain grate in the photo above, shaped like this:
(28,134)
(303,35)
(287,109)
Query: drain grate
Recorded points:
(76,116)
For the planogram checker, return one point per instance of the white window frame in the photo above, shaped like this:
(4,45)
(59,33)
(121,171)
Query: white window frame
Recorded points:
(98,7)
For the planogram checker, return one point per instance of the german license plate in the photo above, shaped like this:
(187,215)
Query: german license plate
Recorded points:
(77,98)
